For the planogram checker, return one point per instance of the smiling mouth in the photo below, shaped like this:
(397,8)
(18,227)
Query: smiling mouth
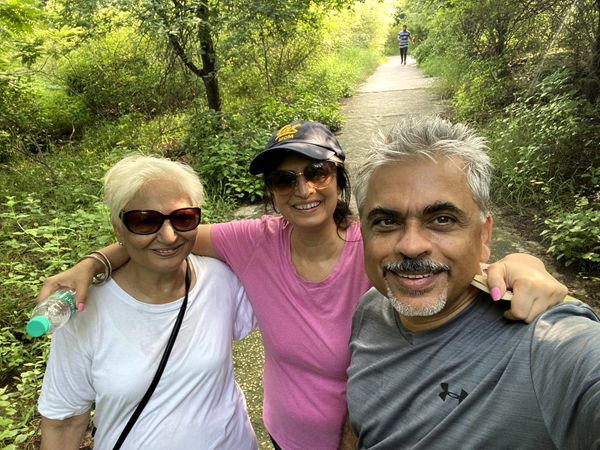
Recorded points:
(417,277)
(307,206)
(166,252)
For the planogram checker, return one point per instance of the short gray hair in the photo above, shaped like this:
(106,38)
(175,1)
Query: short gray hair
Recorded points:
(124,180)
(413,139)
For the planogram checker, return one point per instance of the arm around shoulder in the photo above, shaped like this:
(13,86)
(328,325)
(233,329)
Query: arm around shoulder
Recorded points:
(204,245)
(64,434)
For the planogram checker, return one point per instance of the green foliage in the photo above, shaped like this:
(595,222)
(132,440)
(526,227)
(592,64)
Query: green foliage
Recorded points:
(575,236)
(535,167)
(532,143)
(222,148)
(450,72)
(17,16)
(334,78)
(272,114)
(118,73)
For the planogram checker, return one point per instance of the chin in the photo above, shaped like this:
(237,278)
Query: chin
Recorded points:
(419,304)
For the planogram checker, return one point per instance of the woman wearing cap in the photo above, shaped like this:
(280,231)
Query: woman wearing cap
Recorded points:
(303,273)
(110,354)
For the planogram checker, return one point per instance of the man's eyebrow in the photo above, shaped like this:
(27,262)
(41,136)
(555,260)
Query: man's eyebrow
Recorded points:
(444,206)
(380,211)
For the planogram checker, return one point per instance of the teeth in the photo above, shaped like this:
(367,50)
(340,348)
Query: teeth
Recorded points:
(416,277)
(165,251)
(307,206)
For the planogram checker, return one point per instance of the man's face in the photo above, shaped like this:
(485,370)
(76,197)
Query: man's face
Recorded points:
(423,236)
(404,28)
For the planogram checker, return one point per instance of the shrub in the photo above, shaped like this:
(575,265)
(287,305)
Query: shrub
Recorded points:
(118,73)
(222,148)
(575,236)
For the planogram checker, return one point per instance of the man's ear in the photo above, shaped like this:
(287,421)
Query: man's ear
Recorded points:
(486,239)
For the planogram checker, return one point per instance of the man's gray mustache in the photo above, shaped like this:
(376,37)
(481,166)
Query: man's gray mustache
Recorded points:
(421,265)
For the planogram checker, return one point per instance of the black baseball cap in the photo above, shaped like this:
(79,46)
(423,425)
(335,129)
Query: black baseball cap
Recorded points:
(310,139)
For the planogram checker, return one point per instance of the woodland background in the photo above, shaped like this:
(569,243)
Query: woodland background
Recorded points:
(85,83)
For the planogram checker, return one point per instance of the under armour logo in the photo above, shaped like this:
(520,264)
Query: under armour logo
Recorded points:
(446,393)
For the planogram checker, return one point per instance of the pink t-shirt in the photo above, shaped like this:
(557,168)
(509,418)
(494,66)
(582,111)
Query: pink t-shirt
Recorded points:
(305,327)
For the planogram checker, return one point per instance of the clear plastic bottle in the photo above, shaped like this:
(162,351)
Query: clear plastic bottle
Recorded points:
(52,313)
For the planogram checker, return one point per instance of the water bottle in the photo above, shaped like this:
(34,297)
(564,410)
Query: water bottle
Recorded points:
(52,313)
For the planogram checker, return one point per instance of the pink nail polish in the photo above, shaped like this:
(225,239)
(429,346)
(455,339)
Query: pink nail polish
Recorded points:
(496,295)
(81,306)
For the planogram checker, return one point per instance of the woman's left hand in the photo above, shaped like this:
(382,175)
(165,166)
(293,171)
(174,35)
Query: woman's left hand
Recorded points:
(534,289)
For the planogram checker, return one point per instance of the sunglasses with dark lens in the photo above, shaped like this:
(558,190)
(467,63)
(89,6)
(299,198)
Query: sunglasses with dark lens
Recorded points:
(145,221)
(319,175)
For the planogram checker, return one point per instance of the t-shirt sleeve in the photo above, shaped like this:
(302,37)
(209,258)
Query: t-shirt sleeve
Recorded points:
(245,321)
(566,374)
(67,389)
(235,242)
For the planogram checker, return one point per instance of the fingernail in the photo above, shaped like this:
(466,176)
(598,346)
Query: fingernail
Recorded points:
(496,295)
(82,305)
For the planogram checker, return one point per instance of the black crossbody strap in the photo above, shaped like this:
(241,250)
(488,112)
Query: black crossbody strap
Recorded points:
(161,365)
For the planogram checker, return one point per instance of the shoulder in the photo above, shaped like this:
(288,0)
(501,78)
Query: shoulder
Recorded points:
(565,321)
(373,315)
(205,266)
(371,303)
(266,224)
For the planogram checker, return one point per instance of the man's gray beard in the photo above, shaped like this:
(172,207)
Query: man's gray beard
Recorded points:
(416,265)
(406,309)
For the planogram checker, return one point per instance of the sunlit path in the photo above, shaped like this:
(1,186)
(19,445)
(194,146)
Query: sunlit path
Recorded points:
(392,92)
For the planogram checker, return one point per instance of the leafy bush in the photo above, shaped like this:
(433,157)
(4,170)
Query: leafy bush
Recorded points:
(222,148)
(575,236)
(531,145)
(117,73)
(485,90)
(536,167)
(271,114)
(336,76)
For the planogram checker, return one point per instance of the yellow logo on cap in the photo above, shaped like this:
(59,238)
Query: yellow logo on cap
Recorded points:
(287,132)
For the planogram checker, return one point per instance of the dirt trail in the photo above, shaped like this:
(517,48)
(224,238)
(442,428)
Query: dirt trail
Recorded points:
(394,91)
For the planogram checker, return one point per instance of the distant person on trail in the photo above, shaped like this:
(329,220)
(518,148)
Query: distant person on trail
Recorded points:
(303,273)
(403,38)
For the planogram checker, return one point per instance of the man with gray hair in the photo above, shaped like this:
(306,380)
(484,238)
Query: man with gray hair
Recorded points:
(434,362)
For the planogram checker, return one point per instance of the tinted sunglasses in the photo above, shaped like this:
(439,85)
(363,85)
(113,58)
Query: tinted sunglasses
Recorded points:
(319,175)
(145,221)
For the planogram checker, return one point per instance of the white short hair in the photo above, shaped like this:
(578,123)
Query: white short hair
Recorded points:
(125,179)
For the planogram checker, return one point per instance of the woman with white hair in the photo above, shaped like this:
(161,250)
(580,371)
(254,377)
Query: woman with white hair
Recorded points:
(110,354)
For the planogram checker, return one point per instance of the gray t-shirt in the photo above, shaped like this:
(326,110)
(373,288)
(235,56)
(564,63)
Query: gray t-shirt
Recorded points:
(478,381)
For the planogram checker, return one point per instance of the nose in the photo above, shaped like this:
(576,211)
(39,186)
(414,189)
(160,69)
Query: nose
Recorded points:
(167,232)
(414,241)
(303,187)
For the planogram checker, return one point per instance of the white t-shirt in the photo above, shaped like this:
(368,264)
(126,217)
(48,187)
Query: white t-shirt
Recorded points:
(110,352)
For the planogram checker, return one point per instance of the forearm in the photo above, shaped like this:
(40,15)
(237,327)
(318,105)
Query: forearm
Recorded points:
(64,434)
(116,254)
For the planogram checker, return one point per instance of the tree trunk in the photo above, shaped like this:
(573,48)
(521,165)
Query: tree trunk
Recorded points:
(208,72)
(209,67)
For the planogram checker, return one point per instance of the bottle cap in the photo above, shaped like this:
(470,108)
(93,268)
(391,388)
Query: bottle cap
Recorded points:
(38,326)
